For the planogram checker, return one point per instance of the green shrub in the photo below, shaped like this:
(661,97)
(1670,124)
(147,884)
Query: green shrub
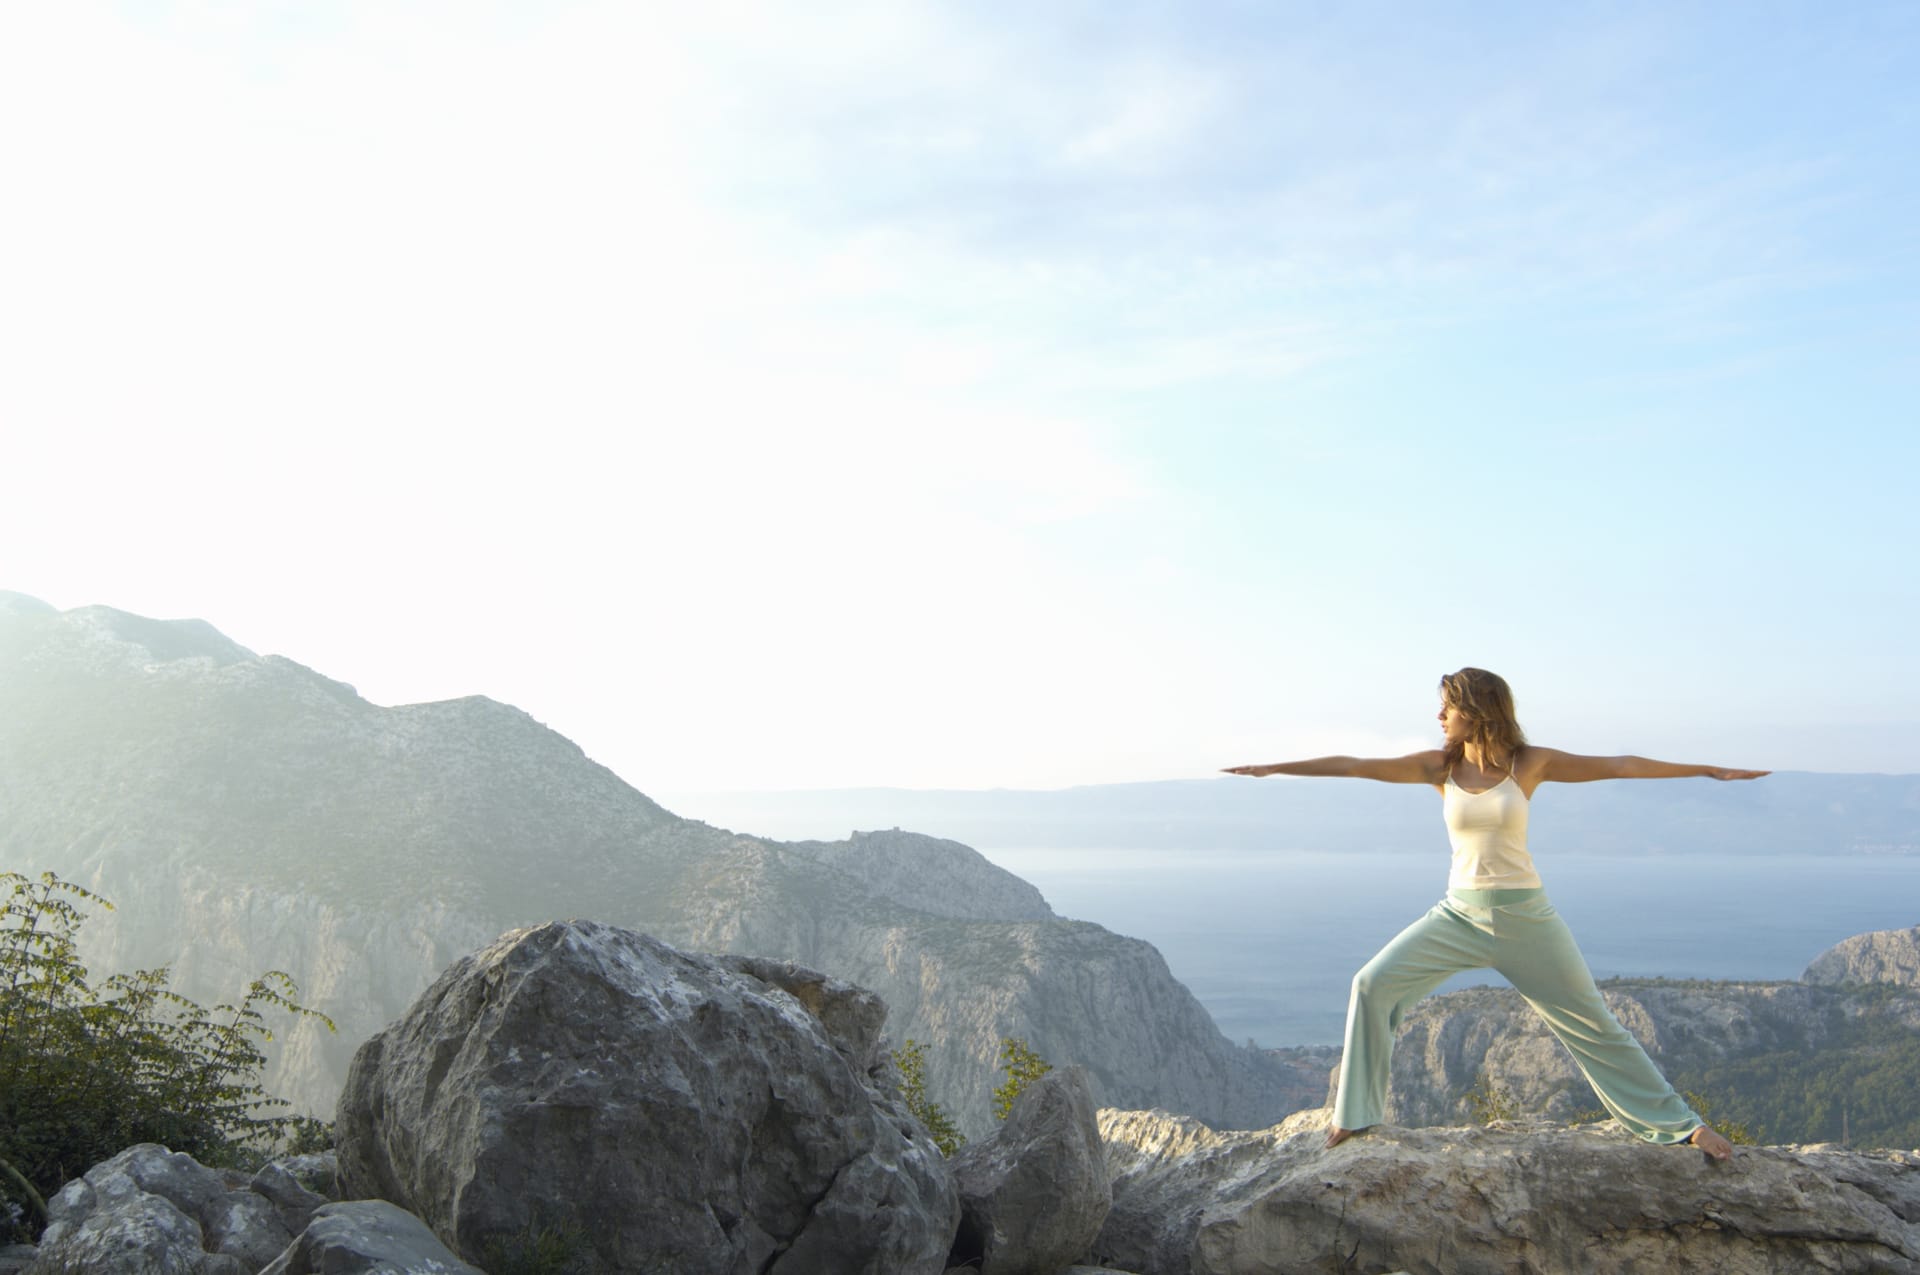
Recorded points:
(1490,1102)
(1023,1067)
(86,1072)
(910,1060)
(541,1249)
(1733,1131)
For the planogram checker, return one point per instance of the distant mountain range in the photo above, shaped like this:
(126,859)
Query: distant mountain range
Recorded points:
(1787,813)
(247,813)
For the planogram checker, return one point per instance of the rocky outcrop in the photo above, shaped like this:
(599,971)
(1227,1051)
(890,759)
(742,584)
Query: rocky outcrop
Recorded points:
(943,878)
(369,1236)
(266,817)
(1884,956)
(1509,1198)
(156,1211)
(685,1113)
(1033,1196)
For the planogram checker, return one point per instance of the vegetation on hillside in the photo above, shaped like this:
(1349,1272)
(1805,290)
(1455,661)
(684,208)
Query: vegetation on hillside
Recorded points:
(87,1071)
(1017,1059)
(910,1060)
(1023,1067)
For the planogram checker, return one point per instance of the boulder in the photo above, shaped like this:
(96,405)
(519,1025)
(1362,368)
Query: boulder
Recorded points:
(1542,1196)
(677,1112)
(1033,1195)
(279,1184)
(247,1226)
(367,1235)
(137,1212)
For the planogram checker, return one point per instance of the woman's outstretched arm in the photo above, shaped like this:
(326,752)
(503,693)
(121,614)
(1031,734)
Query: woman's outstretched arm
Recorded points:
(1552,765)
(1429,767)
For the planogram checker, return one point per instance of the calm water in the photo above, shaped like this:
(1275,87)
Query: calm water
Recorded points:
(1268,941)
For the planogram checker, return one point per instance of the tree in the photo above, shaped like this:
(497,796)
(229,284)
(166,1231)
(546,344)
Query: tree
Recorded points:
(1023,1067)
(86,1072)
(910,1060)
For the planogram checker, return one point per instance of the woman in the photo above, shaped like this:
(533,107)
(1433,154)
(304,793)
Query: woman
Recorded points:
(1496,916)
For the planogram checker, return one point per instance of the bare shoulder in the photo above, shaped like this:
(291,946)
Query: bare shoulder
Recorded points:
(1533,765)
(1428,766)
(1533,761)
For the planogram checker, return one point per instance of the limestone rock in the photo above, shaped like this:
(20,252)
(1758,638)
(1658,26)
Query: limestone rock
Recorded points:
(151,1211)
(1033,1195)
(135,1212)
(932,875)
(371,1236)
(278,1184)
(1464,1201)
(247,1226)
(1883,956)
(678,1111)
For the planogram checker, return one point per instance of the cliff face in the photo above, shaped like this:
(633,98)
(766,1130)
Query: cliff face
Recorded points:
(246,813)
(1884,956)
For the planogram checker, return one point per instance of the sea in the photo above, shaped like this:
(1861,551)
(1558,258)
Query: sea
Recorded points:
(1268,941)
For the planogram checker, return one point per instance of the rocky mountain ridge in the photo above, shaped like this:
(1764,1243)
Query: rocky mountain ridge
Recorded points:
(1883,956)
(247,813)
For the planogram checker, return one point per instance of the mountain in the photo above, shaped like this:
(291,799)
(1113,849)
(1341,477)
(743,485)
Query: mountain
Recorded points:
(1787,813)
(245,812)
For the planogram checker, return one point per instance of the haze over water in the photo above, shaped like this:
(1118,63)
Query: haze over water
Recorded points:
(1268,941)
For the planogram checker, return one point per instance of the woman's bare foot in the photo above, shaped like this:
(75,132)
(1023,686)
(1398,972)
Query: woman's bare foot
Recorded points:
(1336,1135)
(1710,1142)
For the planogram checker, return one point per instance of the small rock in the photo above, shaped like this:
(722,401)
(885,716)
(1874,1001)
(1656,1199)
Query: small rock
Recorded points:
(247,1226)
(367,1236)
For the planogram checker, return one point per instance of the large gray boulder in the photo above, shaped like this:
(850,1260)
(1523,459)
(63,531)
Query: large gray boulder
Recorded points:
(367,1236)
(1541,1197)
(1882,956)
(1033,1195)
(680,1112)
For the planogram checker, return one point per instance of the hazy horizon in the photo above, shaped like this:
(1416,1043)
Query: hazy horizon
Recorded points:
(946,398)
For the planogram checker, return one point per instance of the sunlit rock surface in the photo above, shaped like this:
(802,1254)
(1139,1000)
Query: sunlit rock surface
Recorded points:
(1884,956)
(1467,1201)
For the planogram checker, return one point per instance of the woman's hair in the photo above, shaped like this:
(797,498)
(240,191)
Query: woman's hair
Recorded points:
(1488,703)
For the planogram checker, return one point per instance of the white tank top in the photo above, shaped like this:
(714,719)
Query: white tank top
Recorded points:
(1489,834)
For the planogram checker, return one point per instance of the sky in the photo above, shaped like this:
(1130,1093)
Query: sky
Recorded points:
(978,395)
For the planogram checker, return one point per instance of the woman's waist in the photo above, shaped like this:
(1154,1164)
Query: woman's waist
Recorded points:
(1495,898)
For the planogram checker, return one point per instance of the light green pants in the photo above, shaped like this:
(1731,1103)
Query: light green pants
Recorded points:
(1518,933)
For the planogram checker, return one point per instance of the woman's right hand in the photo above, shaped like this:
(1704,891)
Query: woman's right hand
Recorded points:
(1258,772)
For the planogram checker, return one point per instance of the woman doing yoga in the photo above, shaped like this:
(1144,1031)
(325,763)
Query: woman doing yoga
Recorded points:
(1496,915)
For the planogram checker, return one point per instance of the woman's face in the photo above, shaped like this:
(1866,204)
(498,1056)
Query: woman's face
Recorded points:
(1455,725)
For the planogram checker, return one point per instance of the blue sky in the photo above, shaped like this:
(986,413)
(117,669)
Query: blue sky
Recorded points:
(987,395)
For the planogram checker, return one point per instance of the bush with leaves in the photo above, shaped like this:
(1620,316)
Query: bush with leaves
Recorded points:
(910,1061)
(86,1072)
(1023,1067)
(1490,1102)
(1734,1131)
